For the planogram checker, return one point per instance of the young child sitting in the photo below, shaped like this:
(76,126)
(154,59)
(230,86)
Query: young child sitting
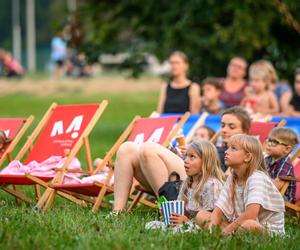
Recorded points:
(280,143)
(211,102)
(203,185)
(258,97)
(203,133)
(249,200)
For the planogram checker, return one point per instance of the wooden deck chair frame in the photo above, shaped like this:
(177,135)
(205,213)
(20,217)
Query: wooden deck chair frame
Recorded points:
(8,151)
(287,180)
(137,188)
(82,141)
(105,188)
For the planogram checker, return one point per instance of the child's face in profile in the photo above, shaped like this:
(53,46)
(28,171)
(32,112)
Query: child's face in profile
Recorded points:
(230,125)
(276,148)
(257,84)
(297,84)
(235,156)
(201,134)
(192,163)
(210,92)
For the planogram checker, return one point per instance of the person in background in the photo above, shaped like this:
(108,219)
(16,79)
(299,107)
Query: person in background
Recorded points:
(281,90)
(11,67)
(280,143)
(258,97)
(203,133)
(234,84)
(235,120)
(294,105)
(211,102)
(58,54)
(181,94)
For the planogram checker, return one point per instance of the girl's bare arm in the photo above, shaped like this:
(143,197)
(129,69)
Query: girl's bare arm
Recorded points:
(250,213)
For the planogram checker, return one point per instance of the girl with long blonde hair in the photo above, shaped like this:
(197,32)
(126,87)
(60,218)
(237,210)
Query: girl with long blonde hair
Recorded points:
(249,200)
(204,180)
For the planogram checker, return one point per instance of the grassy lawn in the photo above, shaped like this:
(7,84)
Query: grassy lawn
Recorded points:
(67,226)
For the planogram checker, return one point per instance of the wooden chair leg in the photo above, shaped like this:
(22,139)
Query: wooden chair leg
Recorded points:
(135,201)
(18,195)
(15,188)
(49,200)
(99,199)
(37,191)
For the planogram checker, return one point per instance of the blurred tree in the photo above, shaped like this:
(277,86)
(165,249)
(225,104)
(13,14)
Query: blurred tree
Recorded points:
(210,32)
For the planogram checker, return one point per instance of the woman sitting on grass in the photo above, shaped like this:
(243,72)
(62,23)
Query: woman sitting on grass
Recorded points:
(249,200)
(202,186)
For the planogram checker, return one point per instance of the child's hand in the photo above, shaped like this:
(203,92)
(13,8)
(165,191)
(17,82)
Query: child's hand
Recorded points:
(178,219)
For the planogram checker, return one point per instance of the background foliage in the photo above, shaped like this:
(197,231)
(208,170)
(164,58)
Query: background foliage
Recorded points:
(209,31)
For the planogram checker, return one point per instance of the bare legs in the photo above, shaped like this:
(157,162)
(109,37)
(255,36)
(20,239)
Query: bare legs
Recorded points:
(150,164)
(157,163)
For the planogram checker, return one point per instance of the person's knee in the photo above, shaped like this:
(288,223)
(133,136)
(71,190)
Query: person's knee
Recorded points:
(147,151)
(126,149)
(202,217)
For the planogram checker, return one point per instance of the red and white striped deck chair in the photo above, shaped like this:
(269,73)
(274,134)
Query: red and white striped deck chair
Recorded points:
(64,128)
(160,130)
(262,129)
(14,128)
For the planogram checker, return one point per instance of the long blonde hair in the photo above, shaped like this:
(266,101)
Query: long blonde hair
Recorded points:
(251,145)
(211,168)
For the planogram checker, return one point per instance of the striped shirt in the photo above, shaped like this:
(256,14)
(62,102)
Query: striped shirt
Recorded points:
(207,198)
(258,189)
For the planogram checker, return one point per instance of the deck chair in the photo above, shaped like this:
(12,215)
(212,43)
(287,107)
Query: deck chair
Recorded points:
(159,130)
(142,191)
(288,179)
(63,128)
(262,129)
(15,128)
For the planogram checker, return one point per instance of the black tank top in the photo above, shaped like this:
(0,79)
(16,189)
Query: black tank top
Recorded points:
(177,100)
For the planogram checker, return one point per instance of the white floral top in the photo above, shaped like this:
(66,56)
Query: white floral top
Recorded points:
(207,200)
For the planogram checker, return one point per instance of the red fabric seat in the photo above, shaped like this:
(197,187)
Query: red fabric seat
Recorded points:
(261,129)
(89,189)
(19,179)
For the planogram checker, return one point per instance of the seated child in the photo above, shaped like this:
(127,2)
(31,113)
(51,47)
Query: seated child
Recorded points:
(249,200)
(258,97)
(211,102)
(202,187)
(203,133)
(280,143)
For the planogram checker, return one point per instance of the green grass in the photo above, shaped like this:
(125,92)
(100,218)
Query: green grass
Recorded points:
(67,226)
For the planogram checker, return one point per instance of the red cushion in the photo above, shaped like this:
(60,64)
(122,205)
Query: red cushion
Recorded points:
(89,189)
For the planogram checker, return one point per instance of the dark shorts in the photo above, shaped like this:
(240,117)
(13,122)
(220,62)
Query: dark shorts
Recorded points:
(59,63)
